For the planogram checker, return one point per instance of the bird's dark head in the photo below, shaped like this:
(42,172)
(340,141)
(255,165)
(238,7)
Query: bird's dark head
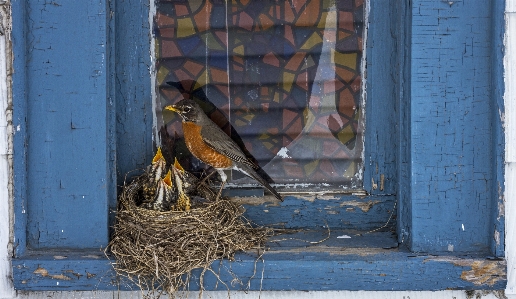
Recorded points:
(188,109)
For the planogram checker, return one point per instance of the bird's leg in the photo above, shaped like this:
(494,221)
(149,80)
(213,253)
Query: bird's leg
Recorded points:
(224,178)
(220,191)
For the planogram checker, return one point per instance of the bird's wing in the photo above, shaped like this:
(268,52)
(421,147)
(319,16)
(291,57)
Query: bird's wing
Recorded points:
(222,143)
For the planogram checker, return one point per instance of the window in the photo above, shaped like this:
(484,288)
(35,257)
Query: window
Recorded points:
(288,75)
(82,113)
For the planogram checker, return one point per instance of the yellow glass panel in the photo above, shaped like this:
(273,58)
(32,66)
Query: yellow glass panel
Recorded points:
(311,166)
(162,74)
(239,50)
(312,41)
(185,27)
(345,134)
(288,80)
(345,59)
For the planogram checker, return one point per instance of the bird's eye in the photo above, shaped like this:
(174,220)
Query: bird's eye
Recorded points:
(186,109)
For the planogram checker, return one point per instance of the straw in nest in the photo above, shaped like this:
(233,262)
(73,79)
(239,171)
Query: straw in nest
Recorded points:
(158,250)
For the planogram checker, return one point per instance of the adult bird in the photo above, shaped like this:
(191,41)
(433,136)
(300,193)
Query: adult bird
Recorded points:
(208,143)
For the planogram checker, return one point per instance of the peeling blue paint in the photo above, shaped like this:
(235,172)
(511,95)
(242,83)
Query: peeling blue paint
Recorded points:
(81,91)
(453,139)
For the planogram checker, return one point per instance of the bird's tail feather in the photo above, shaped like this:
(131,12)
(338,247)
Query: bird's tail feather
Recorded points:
(253,174)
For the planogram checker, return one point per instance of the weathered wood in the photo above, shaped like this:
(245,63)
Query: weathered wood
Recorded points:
(452,127)
(312,267)
(272,295)
(131,120)
(310,211)
(132,86)
(6,131)
(443,164)
(510,145)
(382,65)
(497,225)
(19,124)
(65,122)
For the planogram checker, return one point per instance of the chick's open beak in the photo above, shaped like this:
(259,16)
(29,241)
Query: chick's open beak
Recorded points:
(158,156)
(178,166)
(172,108)
(168,179)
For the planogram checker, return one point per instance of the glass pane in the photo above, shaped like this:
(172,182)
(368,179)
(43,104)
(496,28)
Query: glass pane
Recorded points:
(282,77)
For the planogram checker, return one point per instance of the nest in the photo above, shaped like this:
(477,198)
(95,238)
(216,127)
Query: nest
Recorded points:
(158,250)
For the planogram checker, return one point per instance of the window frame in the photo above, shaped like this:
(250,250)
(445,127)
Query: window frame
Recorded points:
(388,269)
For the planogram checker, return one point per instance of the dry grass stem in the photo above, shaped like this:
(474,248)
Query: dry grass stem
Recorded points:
(158,250)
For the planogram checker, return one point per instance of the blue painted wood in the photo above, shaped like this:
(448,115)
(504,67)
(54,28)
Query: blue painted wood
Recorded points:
(130,87)
(19,124)
(412,116)
(111,180)
(65,141)
(337,212)
(497,227)
(403,20)
(241,192)
(451,132)
(134,119)
(380,111)
(284,269)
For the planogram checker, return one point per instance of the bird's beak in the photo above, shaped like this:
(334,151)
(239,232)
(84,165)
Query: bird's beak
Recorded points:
(157,156)
(178,166)
(172,108)
(168,179)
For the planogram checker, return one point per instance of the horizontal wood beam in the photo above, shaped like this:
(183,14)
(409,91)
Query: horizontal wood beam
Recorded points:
(301,268)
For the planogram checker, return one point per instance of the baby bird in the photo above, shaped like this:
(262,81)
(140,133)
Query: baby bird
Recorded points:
(190,181)
(194,186)
(154,173)
(165,194)
(182,183)
(157,168)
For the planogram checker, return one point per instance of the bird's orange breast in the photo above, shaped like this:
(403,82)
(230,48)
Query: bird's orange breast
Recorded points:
(201,150)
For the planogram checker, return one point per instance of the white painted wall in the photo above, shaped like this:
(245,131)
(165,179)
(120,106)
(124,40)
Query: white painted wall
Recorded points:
(6,290)
(510,145)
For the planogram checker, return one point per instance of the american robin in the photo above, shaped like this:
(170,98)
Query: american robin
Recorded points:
(191,184)
(165,194)
(158,167)
(208,143)
(154,173)
(183,201)
(190,181)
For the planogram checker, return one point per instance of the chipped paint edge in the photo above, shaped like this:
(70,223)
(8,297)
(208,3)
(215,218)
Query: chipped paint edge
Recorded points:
(6,145)
(156,124)
(477,272)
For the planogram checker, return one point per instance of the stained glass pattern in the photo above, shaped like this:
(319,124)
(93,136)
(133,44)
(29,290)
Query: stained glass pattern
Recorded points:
(283,77)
